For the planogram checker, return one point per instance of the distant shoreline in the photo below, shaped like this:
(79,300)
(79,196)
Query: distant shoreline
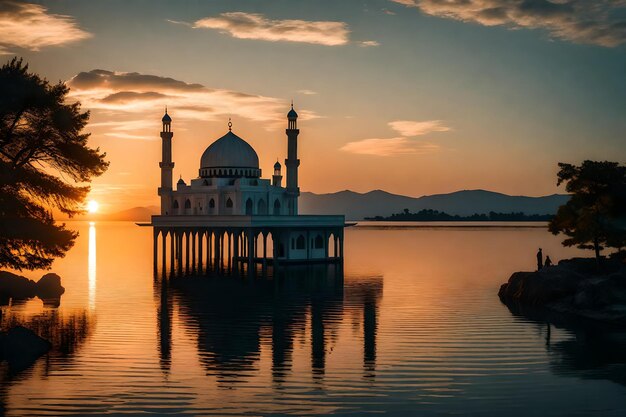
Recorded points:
(395,224)
(387,224)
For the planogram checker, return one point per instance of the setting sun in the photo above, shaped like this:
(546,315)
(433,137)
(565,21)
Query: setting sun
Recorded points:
(92,206)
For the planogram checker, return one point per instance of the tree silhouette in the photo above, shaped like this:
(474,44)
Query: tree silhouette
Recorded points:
(45,164)
(595,215)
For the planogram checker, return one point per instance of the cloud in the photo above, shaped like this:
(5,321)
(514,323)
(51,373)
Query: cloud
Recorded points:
(127,95)
(307,92)
(412,128)
(389,147)
(369,43)
(256,26)
(123,135)
(597,22)
(30,26)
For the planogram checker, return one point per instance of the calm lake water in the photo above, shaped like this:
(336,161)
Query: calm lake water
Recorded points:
(413,327)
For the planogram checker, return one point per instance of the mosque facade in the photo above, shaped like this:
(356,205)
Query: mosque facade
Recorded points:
(229,214)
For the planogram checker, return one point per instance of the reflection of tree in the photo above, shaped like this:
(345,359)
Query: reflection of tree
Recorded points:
(66,333)
(595,350)
(231,316)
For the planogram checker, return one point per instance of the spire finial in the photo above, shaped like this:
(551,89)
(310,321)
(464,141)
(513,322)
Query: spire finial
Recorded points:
(291,104)
(166,109)
(230,125)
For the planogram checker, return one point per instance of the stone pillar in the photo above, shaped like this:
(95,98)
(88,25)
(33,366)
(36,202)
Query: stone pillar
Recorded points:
(187,237)
(155,248)
(231,248)
(251,240)
(276,245)
(200,251)
(341,244)
(308,245)
(172,244)
(326,245)
(194,235)
(216,252)
(264,248)
(164,234)
(236,251)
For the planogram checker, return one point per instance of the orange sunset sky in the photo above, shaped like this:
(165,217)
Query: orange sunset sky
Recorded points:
(412,97)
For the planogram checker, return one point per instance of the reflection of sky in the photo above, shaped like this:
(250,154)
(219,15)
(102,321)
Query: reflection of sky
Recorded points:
(507,95)
(91,268)
(433,339)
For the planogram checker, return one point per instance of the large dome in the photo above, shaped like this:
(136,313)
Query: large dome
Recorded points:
(229,156)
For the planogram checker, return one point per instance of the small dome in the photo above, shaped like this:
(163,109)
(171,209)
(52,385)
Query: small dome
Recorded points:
(292,114)
(166,118)
(277,165)
(229,151)
(181,181)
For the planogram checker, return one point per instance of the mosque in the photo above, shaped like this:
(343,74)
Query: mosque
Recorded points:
(229,215)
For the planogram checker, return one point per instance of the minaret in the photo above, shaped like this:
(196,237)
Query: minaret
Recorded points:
(277,178)
(292,162)
(166,164)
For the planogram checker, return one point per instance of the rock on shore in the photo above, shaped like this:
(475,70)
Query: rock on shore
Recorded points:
(20,347)
(574,286)
(21,288)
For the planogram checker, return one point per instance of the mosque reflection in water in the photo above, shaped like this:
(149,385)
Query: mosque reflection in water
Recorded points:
(231,317)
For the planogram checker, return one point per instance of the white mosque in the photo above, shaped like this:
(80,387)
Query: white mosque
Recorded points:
(229,214)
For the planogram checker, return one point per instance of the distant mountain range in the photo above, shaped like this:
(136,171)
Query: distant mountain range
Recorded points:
(356,206)
(133,214)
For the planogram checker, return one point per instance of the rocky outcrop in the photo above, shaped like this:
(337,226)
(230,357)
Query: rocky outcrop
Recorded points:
(20,288)
(574,286)
(20,347)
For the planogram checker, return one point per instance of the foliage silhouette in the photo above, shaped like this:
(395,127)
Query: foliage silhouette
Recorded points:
(45,164)
(429,215)
(595,215)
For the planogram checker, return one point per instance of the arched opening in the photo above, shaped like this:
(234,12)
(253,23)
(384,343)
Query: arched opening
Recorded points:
(249,206)
(175,205)
(229,203)
(319,242)
(230,172)
(261,207)
(331,246)
(301,242)
(187,204)
(211,204)
(276,207)
(269,242)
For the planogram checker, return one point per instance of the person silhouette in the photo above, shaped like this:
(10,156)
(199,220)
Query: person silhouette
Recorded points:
(548,262)
(539,259)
